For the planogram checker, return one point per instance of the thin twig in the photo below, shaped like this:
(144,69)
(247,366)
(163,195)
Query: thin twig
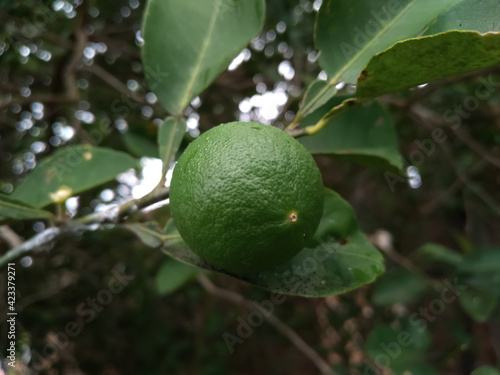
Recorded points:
(299,343)
(110,79)
(429,207)
(33,244)
(83,224)
(477,147)
(9,236)
(429,119)
(327,118)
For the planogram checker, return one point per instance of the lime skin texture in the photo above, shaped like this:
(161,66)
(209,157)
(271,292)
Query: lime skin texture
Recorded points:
(246,197)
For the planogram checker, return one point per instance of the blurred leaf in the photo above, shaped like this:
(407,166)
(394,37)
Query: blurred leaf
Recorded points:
(486,370)
(149,233)
(77,167)
(482,262)
(365,134)
(481,16)
(436,253)
(415,367)
(331,267)
(173,274)
(140,146)
(415,61)
(187,44)
(402,349)
(170,136)
(349,32)
(318,94)
(11,208)
(478,303)
(398,286)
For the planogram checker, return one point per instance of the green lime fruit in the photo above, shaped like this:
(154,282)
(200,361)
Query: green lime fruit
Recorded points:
(246,197)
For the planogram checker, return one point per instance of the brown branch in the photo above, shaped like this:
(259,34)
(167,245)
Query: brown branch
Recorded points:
(429,207)
(477,147)
(9,236)
(110,79)
(119,86)
(281,327)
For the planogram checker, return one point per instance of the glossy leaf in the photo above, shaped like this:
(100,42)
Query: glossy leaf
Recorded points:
(174,274)
(187,44)
(478,303)
(349,32)
(11,208)
(170,134)
(473,15)
(398,286)
(365,134)
(74,168)
(140,146)
(325,268)
(415,61)
(317,94)
(437,253)
(486,370)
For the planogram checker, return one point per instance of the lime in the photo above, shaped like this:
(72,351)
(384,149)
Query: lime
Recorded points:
(246,197)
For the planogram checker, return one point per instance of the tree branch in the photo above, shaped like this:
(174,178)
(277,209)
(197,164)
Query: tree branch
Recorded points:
(9,236)
(296,340)
(83,224)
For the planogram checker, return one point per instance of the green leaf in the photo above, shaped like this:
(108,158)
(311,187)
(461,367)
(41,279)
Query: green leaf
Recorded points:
(402,349)
(339,219)
(328,268)
(149,233)
(485,370)
(478,303)
(413,367)
(187,44)
(436,253)
(78,168)
(364,134)
(349,32)
(170,136)
(398,286)
(140,146)
(11,208)
(473,15)
(318,94)
(174,274)
(481,270)
(482,262)
(415,61)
